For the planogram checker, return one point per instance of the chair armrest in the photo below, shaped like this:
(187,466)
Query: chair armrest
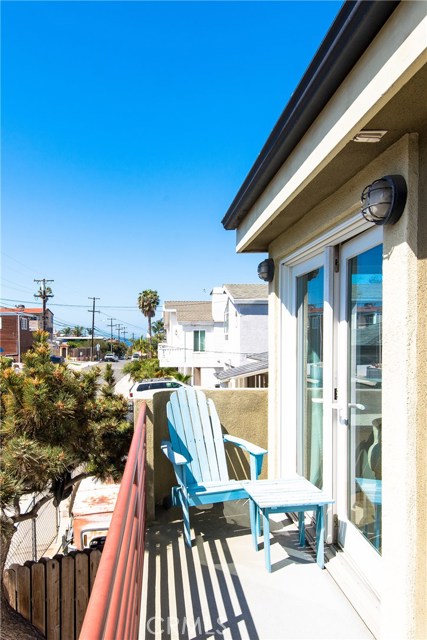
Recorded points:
(172,456)
(257,453)
(251,448)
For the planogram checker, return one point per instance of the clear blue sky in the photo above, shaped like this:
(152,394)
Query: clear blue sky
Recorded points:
(127,130)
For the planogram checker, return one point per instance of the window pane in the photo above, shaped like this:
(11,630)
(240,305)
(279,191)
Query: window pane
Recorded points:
(364,393)
(310,387)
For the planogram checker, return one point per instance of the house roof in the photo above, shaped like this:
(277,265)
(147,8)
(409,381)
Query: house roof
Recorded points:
(245,370)
(190,311)
(355,27)
(33,310)
(16,311)
(247,291)
(30,310)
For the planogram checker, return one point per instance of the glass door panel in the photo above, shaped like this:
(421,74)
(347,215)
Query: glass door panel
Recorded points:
(310,301)
(364,380)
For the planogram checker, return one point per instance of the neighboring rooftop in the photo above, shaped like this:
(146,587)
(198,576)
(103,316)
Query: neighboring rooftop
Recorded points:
(247,291)
(190,311)
(21,310)
(251,368)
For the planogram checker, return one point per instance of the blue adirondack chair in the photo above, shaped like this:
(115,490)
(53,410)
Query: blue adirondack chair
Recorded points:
(196,450)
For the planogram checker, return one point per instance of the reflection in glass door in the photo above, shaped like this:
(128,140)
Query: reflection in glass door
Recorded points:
(364,380)
(310,375)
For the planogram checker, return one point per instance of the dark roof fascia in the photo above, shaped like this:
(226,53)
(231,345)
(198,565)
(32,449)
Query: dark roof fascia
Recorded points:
(354,28)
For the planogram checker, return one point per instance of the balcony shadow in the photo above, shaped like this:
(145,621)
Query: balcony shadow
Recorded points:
(195,593)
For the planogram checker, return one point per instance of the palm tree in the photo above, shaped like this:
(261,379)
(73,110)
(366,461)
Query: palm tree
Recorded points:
(159,329)
(148,302)
(78,330)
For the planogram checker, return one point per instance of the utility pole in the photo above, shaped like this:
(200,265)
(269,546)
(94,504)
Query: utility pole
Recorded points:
(119,326)
(92,311)
(111,329)
(44,294)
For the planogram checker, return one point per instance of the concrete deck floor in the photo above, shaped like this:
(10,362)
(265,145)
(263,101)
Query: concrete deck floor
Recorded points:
(220,587)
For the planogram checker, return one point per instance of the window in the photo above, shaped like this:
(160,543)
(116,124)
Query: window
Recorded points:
(199,341)
(24,323)
(226,319)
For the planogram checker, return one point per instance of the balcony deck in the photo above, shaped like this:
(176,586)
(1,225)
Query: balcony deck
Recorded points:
(221,589)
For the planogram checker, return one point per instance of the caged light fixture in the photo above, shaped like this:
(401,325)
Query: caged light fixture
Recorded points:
(266,270)
(384,200)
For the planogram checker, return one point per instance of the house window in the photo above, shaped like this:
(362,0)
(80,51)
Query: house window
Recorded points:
(199,341)
(24,323)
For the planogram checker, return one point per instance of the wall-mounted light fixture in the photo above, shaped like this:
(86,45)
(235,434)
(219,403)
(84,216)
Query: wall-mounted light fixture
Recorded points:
(266,270)
(384,200)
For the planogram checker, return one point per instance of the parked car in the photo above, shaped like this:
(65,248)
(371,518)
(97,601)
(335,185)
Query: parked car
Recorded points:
(111,357)
(145,389)
(57,359)
(97,543)
(136,356)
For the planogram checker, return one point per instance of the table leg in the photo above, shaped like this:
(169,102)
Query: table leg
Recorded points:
(320,537)
(301,526)
(254,518)
(266,528)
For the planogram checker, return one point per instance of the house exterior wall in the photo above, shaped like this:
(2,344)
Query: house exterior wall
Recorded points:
(253,324)
(247,333)
(14,339)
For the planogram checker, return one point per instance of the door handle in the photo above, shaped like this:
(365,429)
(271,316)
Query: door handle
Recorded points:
(340,410)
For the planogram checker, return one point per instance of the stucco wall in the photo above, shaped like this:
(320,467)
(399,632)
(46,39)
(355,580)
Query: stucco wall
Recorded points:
(242,412)
(421,396)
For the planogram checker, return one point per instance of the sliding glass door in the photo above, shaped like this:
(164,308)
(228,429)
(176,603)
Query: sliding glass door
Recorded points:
(331,403)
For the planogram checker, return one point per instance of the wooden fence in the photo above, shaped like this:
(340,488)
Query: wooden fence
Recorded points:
(53,593)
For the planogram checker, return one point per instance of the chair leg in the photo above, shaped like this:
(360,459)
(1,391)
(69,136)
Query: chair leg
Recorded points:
(186,520)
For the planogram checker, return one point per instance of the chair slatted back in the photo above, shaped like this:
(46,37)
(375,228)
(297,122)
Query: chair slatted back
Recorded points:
(195,432)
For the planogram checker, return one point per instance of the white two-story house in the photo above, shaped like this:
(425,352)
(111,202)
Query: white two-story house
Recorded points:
(205,339)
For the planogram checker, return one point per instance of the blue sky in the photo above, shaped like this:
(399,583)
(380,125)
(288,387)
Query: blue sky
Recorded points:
(127,130)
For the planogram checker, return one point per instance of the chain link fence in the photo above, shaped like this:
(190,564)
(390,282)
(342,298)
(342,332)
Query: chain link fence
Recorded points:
(34,537)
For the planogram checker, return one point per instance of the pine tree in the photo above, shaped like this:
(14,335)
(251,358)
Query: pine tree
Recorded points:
(55,422)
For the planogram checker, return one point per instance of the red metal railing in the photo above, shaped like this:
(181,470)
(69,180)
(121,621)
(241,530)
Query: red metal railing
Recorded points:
(115,603)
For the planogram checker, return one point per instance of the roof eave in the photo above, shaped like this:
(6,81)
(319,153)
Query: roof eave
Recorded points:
(354,28)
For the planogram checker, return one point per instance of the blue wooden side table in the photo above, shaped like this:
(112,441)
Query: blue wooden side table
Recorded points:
(291,494)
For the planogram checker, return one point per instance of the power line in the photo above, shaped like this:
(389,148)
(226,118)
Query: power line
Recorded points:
(76,306)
